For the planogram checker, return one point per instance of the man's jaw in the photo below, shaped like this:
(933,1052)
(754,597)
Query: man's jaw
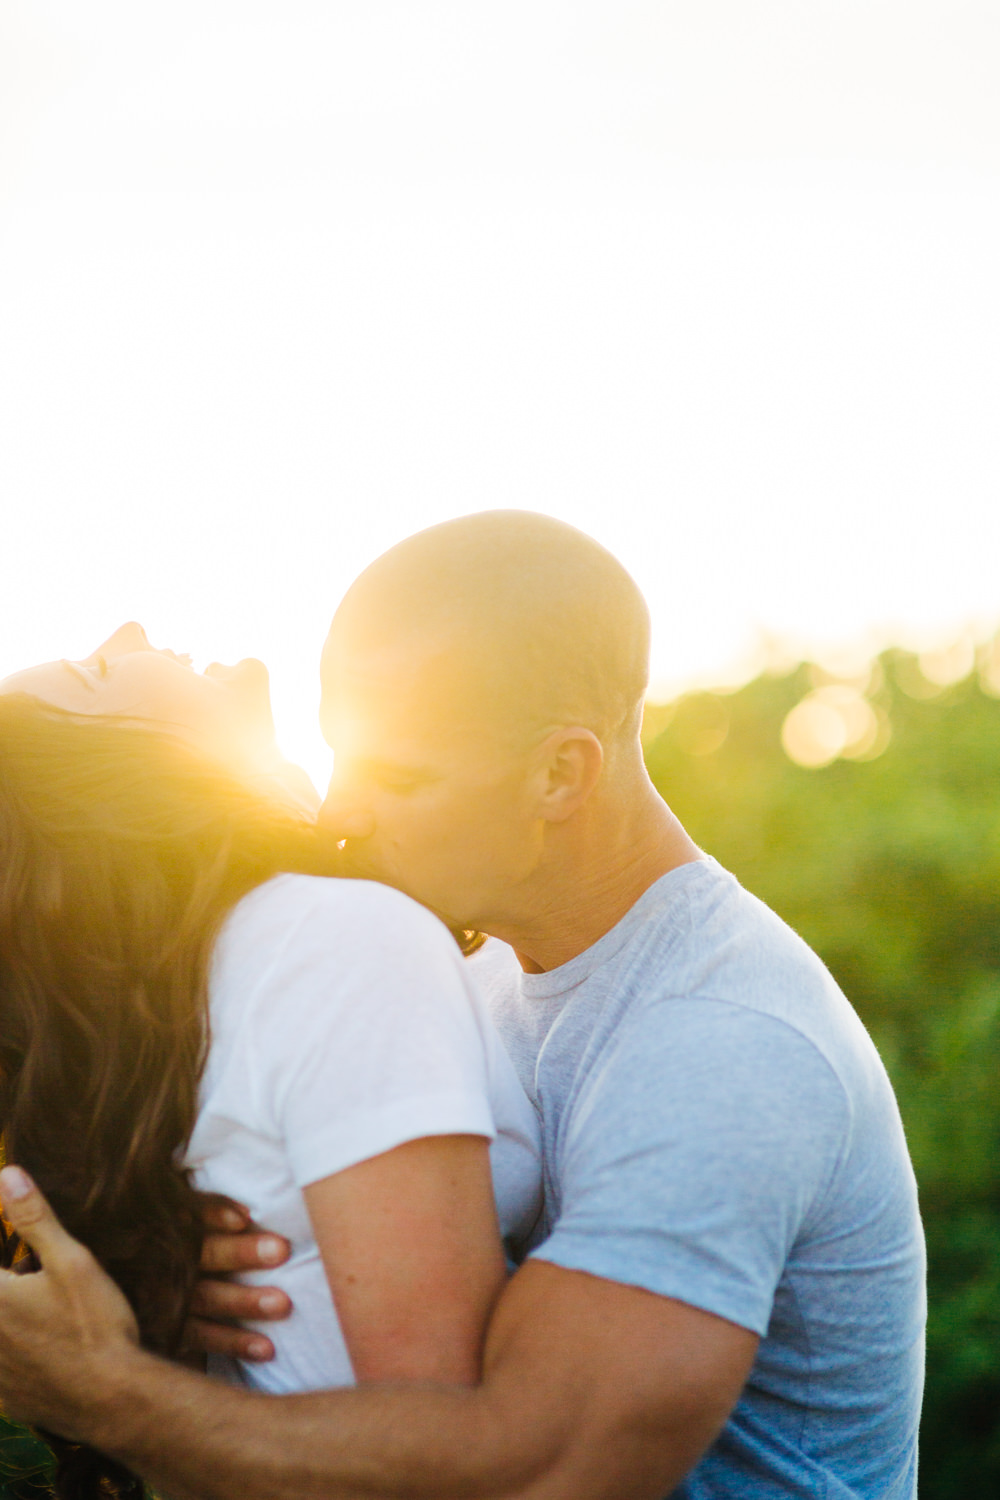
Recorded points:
(362,864)
(358,864)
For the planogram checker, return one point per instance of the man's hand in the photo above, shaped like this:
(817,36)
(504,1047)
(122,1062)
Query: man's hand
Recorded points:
(234,1243)
(591,1390)
(60,1326)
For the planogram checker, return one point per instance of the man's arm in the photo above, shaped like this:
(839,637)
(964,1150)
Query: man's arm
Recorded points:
(591,1390)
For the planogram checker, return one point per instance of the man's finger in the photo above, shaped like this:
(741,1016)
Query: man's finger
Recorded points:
(27,1212)
(222,1338)
(230,1299)
(243,1252)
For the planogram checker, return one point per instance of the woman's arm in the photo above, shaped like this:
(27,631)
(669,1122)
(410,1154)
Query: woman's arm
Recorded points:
(412,1253)
(364,1033)
(433,1196)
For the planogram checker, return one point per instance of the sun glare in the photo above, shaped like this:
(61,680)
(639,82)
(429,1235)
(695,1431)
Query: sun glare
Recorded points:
(266,311)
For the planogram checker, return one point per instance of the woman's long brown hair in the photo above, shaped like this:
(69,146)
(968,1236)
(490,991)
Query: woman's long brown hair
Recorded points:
(121,853)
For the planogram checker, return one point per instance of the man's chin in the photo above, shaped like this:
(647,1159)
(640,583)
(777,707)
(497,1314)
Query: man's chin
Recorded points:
(359,864)
(356,866)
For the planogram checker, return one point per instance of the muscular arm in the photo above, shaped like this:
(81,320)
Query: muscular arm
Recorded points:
(591,1390)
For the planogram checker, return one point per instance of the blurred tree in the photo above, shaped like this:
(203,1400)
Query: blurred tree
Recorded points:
(890,868)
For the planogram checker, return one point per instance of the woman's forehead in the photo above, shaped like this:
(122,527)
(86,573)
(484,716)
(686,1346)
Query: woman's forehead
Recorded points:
(58,676)
(141,681)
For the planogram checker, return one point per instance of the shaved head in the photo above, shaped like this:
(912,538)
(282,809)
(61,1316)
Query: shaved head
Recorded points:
(533,623)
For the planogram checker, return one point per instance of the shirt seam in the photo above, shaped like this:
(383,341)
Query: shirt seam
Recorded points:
(672,918)
(398,1117)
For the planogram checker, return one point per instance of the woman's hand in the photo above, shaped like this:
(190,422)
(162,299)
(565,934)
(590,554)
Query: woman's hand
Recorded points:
(234,1243)
(412,1253)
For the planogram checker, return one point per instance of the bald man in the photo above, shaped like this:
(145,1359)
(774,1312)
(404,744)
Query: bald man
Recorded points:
(726,1297)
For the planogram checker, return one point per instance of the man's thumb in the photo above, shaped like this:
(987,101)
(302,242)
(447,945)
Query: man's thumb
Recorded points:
(27,1212)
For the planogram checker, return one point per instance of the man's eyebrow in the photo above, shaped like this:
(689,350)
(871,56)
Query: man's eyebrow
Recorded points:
(80,675)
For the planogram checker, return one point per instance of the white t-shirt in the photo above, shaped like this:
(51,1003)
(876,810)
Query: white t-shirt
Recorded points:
(344,1022)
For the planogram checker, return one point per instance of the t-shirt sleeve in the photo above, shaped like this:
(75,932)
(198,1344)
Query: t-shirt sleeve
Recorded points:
(695,1154)
(365,1033)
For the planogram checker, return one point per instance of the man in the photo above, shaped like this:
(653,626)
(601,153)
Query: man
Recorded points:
(727,1296)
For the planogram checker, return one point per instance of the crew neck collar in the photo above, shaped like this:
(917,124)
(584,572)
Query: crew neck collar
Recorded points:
(568,975)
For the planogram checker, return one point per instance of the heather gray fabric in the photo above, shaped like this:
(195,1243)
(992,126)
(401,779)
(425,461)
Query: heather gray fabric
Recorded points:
(718,1127)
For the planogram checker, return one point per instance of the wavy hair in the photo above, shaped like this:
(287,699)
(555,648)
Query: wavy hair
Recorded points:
(121,853)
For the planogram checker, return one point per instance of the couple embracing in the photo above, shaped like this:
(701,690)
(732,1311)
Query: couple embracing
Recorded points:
(616,1204)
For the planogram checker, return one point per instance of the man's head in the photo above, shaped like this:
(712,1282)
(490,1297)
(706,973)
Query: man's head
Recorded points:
(482,688)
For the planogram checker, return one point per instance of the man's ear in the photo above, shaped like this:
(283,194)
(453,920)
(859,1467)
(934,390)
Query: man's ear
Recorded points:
(572,759)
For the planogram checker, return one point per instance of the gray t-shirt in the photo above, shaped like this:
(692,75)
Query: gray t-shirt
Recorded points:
(718,1127)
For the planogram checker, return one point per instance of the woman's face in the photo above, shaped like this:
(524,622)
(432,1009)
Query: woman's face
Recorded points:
(224,713)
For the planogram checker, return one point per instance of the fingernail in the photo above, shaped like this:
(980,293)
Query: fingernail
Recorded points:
(271,1302)
(15,1184)
(257,1349)
(270,1250)
(233,1220)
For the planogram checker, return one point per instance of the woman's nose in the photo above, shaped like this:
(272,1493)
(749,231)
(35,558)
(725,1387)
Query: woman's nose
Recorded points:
(125,639)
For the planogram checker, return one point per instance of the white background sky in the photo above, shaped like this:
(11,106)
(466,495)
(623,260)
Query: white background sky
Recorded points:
(281,283)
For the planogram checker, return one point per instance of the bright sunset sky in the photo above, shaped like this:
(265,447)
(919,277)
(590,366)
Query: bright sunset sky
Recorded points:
(281,283)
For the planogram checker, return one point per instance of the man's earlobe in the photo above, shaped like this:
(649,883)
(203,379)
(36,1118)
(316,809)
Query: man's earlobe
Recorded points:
(574,759)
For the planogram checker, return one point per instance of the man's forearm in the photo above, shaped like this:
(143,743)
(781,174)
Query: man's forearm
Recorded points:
(591,1390)
(199,1439)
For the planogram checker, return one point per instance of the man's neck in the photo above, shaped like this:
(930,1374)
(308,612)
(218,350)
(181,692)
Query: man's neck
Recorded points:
(593,880)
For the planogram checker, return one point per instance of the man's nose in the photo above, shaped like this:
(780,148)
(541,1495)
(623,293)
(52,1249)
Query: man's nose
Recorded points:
(345,816)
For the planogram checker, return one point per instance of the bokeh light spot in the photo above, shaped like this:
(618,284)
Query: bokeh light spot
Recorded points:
(989,667)
(701,724)
(909,676)
(949,664)
(831,721)
(876,735)
(814,733)
(655,719)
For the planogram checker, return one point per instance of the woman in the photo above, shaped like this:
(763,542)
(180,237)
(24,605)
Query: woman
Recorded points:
(185,1001)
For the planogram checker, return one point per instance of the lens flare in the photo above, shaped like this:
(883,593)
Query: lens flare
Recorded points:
(832,721)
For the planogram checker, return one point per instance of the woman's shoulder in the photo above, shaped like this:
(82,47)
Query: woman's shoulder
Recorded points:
(304,958)
(316,922)
(297,900)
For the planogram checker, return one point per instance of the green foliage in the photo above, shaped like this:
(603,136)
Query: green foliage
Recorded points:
(26,1464)
(890,869)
